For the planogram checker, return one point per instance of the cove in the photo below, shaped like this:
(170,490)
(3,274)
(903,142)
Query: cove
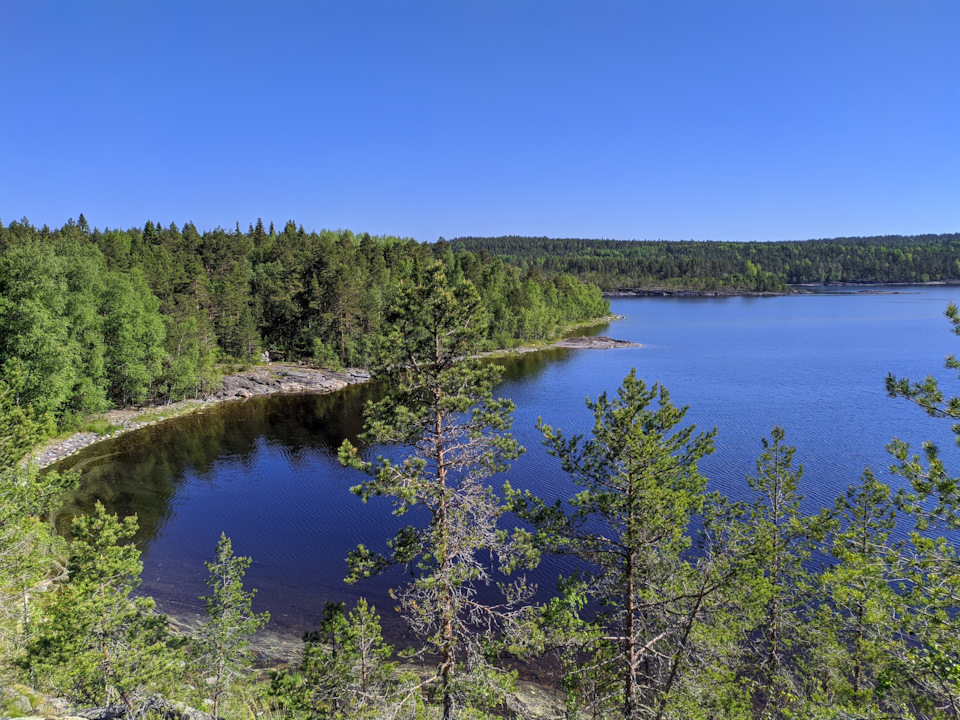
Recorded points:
(264,471)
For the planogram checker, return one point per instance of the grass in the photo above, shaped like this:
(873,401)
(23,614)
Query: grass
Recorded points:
(100,426)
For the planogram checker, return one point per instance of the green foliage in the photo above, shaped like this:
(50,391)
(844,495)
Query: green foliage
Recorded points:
(221,645)
(628,524)
(929,565)
(117,317)
(712,266)
(31,553)
(440,407)
(19,428)
(346,671)
(684,604)
(189,366)
(324,356)
(134,332)
(781,543)
(100,426)
(96,644)
(928,477)
(858,645)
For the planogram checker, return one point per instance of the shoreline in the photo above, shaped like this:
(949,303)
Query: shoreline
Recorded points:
(685,292)
(271,379)
(794,289)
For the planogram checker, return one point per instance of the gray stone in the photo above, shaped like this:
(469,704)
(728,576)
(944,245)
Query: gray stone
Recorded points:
(18,704)
(194,714)
(111,712)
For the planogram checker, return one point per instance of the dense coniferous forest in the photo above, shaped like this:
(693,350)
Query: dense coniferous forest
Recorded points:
(101,318)
(753,266)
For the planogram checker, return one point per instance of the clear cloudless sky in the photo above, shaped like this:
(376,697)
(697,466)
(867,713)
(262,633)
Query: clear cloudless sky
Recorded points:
(674,119)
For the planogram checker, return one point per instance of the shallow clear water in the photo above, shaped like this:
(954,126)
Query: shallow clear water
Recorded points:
(264,471)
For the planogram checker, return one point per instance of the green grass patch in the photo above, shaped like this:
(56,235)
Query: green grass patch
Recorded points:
(100,426)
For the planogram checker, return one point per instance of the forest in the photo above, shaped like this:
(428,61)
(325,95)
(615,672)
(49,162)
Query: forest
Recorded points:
(686,604)
(95,319)
(747,266)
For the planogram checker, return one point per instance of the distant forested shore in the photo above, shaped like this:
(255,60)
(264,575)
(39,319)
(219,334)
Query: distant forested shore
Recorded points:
(92,319)
(744,266)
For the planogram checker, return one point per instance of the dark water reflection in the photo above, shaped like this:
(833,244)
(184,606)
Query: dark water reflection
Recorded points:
(264,471)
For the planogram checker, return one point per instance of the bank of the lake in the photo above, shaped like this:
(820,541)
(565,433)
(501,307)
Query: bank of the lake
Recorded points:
(692,293)
(265,380)
(795,289)
(272,379)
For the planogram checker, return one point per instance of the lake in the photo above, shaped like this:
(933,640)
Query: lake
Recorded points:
(264,471)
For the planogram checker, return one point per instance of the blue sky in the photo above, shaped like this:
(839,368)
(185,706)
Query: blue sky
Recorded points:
(710,120)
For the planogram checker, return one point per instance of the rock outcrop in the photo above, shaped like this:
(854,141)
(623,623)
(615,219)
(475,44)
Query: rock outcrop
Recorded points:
(286,379)
(595,342)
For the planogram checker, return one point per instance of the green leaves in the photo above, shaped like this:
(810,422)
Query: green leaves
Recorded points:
(222,642)
(96,643)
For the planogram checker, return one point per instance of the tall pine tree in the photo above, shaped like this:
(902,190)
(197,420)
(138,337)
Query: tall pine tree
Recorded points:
(441,409)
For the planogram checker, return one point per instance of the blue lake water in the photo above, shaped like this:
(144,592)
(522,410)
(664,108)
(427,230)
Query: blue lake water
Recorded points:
(264,471)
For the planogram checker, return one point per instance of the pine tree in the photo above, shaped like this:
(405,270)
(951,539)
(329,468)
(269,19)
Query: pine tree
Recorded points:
(96,643)
(780,538)
(31,552)
(857,628)
(346,671)
(222,643)
(640,490)
(440,407)
(931,564)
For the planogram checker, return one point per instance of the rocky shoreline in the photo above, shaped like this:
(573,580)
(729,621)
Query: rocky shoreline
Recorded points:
(595,342)
(272,379)
(267,380)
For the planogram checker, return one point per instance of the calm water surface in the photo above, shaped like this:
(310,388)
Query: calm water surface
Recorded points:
(264,471)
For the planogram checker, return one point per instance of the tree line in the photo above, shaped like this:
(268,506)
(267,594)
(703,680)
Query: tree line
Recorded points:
(753,266)
(684,603)
(102,318)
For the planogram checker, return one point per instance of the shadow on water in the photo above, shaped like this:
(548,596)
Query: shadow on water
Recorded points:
(142,472)
(529,366)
